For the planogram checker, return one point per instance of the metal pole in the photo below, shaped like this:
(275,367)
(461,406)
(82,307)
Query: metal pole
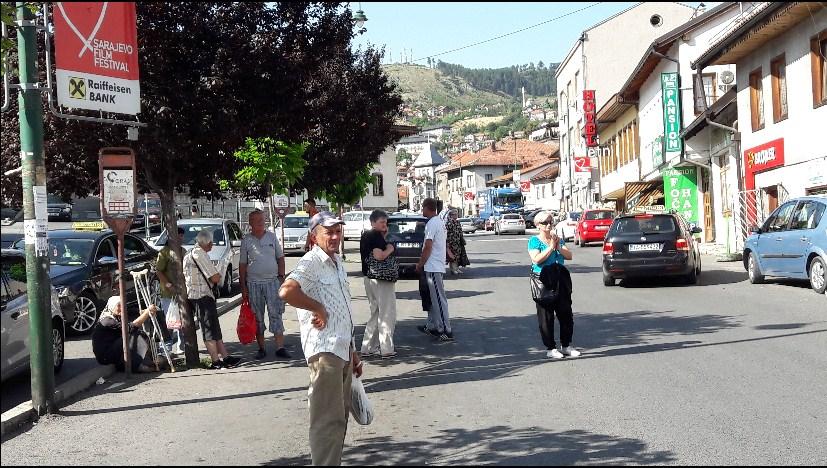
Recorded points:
(36,218)
(146,215)
(127,358)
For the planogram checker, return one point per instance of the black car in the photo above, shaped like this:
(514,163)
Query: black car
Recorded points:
(407,234)
(641,245)
(58,209)
(84,269)
(529,218)
(9,240)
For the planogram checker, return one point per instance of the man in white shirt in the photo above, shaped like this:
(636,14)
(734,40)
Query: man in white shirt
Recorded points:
(432,262)
(319,291)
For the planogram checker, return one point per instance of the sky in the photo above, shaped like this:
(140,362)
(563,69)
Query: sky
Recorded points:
(419,30)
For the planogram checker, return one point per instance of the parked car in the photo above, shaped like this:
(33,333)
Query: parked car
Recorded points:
(226,245)
(295,233)
(9,239)
(467,225)
(490,223)
(479,223)
(567,226)
(651,245)
(593,226)
(84,269)
(356,222)
(529,218)
(14,307)
(510,222)
(791,243)
(58,209)
(407,234)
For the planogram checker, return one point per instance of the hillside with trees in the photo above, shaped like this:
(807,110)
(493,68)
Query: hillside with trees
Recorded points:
(538,80)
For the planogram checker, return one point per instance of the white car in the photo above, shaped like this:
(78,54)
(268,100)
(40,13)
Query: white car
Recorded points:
(356,222)
(295,233)
(510,223)
(566,228)
(226,245)
(467,225)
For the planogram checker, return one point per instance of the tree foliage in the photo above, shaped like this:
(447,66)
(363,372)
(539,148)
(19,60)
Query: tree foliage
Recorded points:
(348,193)
(538,80)
(269,165)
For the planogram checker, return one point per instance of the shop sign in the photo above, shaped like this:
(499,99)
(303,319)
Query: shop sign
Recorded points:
(657,151)
(590,118)
(761,158)
(671,111)
(680,189)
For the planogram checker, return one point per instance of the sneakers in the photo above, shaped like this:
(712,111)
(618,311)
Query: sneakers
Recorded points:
(424,329)
(283,353)
(261,354)
(570,351)
(219,364)
(446,337)
(389,355)
(231,361)
(554,354)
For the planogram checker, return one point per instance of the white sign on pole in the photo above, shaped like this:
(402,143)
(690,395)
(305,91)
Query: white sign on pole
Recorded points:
(281,201)
(118,195)
(515,175)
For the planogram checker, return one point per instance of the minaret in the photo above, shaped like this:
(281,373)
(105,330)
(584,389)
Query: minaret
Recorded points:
(523,90)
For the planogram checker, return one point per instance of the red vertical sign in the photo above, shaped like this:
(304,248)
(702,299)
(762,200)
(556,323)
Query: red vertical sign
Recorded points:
(589,116)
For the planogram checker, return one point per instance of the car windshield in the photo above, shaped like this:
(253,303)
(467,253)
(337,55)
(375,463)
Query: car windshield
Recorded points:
(296,222)
(464,220)
(575,215)
(596,215)
(406,226)
(510,199)
(509,216)
(645,225)
(70,251)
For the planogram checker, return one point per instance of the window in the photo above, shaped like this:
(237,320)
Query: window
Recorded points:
(778,69)
(104,250)
(14,278)
(756,92)
(807,215)
(707,85)
(576,77)
(132,247)
(818,58)
(469,180)
(235,232)
(726,202)
(779,220)
(488,177)
(378,186)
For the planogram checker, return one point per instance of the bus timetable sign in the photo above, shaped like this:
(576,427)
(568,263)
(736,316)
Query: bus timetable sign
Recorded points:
(117,185)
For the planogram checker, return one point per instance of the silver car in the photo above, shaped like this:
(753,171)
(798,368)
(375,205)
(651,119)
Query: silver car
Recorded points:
(467,225)
(295,233)
(15,318)
(226,245)
(510,223)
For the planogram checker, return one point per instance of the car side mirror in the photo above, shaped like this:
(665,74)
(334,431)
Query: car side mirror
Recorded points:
(696,230)
(107,261)
(235,243)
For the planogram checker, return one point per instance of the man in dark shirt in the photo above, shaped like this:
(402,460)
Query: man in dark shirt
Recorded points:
(381,294)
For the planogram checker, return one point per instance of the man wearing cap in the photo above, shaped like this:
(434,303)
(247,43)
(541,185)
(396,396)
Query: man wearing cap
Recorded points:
(319,291)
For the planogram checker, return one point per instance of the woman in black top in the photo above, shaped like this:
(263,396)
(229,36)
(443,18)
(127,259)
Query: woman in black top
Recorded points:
(107,343)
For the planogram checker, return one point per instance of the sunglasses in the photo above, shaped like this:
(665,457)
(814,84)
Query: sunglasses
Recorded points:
(544,223)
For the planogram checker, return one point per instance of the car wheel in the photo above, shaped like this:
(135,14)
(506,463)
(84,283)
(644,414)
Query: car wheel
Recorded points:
(754,271)
(58,344)
(818,275)
(608,280)
(692,277)
(226,288)
(86,314)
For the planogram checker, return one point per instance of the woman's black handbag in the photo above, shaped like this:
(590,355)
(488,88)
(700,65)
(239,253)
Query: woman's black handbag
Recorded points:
(542,295)
(384,270)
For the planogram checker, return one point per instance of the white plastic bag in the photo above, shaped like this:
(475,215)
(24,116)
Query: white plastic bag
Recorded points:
(360,407)
(173,316)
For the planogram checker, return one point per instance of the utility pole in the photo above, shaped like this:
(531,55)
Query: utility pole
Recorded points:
(35,216)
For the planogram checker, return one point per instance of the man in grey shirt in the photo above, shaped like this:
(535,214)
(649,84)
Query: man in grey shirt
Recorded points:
(261,272)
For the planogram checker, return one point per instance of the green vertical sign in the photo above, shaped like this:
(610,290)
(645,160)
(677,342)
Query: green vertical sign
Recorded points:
(680,188)
(657,152)
(671,111)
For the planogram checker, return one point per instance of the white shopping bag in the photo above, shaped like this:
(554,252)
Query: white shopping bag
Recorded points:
(360,407)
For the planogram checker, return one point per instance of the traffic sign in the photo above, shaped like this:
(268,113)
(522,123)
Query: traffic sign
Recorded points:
(281,201)
(96,56)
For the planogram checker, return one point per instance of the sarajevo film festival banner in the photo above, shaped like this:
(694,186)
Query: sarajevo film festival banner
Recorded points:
(96,56)
(680,189)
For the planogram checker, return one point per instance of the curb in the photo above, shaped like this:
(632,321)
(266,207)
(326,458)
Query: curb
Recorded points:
(24,413)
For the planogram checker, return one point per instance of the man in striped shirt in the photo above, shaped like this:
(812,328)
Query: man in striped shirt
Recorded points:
(319,290)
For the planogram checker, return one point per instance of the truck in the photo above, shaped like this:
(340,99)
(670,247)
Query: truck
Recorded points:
(496,201)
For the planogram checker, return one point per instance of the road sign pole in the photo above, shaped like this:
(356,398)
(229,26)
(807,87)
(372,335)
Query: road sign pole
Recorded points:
(36,218)
(127,356)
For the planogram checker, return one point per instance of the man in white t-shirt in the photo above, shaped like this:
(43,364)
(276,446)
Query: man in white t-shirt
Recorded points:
(432,262)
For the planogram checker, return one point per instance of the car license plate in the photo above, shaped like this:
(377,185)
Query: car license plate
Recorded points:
(292,245)
(644,247)
(409,245)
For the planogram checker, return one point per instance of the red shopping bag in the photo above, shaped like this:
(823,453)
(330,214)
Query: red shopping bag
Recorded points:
(247,325)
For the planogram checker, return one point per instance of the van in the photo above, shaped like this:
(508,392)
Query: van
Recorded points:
(356,222)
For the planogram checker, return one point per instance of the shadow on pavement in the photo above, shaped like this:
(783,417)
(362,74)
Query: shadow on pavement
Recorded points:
(707,278)
(500,445)
(451,294)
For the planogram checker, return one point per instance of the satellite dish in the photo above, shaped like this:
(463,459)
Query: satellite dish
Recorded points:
(727,77)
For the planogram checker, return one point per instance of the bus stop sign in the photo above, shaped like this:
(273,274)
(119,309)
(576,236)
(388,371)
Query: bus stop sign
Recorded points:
(117,187)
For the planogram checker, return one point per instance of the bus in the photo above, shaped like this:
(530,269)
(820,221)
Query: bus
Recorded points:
(496,201)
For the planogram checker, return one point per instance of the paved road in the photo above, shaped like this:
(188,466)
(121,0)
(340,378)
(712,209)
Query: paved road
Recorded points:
(720,373)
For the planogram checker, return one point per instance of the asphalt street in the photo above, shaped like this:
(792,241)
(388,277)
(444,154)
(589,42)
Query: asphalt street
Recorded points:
(722,372)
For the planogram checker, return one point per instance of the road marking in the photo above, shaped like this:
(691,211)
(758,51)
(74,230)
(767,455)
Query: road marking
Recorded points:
(522,239)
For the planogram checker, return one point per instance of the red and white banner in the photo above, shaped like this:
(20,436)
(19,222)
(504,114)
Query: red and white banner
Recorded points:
(583,164)
(469,195)
(96,56)
(525,186)
(762,158)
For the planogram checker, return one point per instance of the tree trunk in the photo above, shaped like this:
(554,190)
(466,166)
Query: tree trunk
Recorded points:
(177,278)
(270,206)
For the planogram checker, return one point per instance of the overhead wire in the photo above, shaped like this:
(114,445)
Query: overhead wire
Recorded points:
(508,34)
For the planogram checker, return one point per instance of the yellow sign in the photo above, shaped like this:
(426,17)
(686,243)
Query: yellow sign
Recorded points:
(89,226)
(77,88)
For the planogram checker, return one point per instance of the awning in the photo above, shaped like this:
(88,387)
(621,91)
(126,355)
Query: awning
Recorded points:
(643,194)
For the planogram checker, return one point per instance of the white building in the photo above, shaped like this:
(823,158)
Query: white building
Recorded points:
(436,132)
(779,50)
(600,60)
(423,169)
(413,144)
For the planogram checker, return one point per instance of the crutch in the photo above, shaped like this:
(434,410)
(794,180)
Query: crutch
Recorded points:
(142,291)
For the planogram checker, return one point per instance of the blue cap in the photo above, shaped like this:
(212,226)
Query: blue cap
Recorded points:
(324,218)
